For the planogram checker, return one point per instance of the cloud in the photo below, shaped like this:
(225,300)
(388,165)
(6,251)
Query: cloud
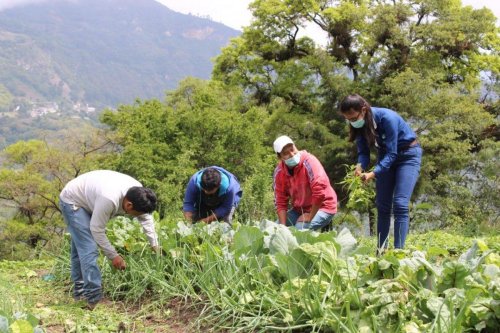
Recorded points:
(6,4)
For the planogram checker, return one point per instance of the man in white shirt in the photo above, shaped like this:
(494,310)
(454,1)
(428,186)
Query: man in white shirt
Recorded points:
(87,203)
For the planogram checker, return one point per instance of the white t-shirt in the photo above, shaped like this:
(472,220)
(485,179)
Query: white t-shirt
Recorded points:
(101,193)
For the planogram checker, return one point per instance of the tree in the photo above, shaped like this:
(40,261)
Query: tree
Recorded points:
(425,59)
(33,174)
(200,124)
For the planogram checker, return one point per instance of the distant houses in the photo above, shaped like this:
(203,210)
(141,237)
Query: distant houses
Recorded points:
(42,109)
(85,108)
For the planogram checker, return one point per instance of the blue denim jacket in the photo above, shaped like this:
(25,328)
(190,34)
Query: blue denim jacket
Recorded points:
(393,134)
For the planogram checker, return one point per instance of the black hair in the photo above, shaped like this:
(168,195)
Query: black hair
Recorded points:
(210,179)
(356,102)
(143,199)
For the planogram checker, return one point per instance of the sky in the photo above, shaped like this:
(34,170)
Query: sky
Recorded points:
(5,4)
(235,13)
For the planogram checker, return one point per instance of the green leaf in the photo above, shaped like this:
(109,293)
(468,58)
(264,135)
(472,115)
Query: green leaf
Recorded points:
(491,271)
(411,327)
(279,239)
(453,276)
(21,326)
(295,264)
(324,256)
(437,251)
(384,264)
(347,242)
(471,253)
(248,240)
(32,319)
(30,274)
(441,312)
(304,237)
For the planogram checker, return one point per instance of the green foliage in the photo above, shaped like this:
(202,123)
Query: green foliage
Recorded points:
(32,176)
(360,195)
(5,98)
(421,59)
(14,317)
(200,124)
(257,202)
(265,276)
(18,239)
(448,122)
(371,39)
(424,60)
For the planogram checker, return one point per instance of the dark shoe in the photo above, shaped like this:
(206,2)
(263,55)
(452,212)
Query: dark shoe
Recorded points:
(91,306)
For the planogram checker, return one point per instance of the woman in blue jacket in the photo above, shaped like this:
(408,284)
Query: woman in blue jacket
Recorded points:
(398,165)
(212,194)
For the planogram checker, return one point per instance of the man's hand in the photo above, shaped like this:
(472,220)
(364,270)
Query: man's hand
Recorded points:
(119,263)
(209,219)
(188,216)
(282,217)
(305,218)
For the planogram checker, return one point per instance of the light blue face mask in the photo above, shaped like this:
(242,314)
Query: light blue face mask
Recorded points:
(293,161)
(358,123)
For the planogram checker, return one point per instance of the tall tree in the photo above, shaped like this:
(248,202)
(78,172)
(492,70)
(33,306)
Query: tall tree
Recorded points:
(424,58)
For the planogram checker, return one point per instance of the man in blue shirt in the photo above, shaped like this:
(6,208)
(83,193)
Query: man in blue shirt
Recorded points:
(212,194)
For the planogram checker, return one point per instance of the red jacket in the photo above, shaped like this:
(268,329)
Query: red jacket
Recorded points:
(308,185)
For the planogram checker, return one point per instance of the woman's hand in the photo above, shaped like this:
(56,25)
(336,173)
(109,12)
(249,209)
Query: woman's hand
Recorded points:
(366,177)
(358,171)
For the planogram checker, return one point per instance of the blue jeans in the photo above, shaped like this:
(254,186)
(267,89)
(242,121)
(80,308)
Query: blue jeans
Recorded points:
(85,272)
(320,220)
(394,189)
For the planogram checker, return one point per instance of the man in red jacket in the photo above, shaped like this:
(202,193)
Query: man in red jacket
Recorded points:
(300,179)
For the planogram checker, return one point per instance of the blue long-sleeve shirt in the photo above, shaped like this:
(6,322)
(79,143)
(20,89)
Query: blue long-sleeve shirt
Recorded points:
(229,192)
(393,134)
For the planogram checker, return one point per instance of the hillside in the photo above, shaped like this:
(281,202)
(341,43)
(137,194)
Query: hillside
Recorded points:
(101,52)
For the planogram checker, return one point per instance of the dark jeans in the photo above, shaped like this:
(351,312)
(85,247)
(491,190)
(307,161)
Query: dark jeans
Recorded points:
(394,189)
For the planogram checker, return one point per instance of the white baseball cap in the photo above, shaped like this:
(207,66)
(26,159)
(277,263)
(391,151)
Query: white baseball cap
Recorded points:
(281,142)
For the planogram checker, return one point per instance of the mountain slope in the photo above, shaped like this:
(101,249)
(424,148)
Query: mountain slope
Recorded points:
(102,52)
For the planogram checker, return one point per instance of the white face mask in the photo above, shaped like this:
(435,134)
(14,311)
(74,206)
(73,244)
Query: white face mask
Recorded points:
(293,161)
